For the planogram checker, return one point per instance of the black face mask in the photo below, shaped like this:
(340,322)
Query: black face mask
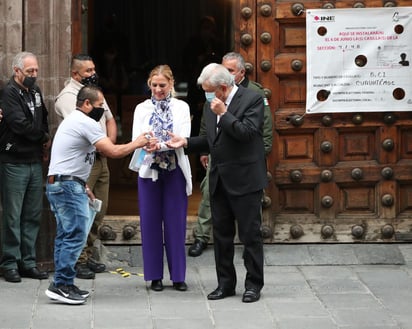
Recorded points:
(92,80)
(96,113)
(29,82)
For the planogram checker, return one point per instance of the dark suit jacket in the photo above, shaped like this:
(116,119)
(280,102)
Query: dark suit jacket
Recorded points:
(236,149)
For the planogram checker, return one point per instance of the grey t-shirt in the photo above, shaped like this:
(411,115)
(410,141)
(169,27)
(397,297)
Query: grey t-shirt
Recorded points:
(73,149)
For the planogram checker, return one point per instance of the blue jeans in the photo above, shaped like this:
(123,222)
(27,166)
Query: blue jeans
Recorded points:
(22,200)
(70,205)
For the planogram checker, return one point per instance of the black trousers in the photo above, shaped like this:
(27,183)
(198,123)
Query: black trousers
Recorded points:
(246,210)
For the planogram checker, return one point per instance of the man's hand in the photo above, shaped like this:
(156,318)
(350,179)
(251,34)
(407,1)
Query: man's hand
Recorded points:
(47,145)
(90,193)
(46,150)
(204,160)
(176,141)
(147,141)
(217,106)
(1,115)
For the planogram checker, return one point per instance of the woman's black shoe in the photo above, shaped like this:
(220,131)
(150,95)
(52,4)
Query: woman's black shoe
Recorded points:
(181,286)
(156,285)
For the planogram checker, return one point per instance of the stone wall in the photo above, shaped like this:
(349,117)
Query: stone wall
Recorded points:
(11,27)
(44,28)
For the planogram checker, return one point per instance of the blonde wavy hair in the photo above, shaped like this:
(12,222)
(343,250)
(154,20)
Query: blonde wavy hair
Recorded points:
(166,71)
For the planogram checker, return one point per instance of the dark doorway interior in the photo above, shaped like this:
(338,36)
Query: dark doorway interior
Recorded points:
(127,39)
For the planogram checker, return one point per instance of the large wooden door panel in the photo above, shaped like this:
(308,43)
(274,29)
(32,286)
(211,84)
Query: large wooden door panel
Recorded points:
(336,177)
(333,177)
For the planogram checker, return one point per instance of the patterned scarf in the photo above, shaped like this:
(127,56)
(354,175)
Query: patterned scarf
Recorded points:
(162,122)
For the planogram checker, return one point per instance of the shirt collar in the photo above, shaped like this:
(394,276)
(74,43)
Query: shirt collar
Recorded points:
(232,93)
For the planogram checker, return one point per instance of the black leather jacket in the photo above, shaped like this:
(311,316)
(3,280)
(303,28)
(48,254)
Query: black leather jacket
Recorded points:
(24,128)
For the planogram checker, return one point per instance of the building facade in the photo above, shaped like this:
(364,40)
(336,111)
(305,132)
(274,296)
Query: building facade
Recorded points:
(333,177)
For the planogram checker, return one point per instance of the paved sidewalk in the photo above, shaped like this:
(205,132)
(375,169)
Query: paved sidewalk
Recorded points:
(307,287)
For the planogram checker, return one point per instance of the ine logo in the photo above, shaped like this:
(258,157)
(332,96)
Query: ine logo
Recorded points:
(395,17)
(324,18)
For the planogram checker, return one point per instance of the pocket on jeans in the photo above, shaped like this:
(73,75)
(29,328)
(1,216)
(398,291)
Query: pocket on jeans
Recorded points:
(54,189)
(55,195)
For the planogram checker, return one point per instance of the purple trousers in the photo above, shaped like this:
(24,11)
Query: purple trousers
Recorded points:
(163,215)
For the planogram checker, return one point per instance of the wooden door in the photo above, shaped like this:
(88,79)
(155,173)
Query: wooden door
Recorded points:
(335,177)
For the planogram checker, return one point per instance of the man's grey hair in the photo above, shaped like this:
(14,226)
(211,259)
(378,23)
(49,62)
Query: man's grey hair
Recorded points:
(240,61)
(18,60)
(216,75)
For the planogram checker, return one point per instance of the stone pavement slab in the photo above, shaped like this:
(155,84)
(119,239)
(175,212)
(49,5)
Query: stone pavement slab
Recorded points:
(306,287)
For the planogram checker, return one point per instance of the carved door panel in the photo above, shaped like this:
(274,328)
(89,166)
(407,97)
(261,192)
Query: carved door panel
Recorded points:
(335,177)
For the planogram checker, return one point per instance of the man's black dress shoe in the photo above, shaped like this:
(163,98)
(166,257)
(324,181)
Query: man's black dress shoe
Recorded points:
(197,248)
(84,272)
(12,275)
(34,273)
(251,295)
(220,293)
(95,266)
(180,286)
(156,285)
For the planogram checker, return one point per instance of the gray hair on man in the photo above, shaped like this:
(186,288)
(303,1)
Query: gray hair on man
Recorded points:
(18,60)
(216,75)
(240,61)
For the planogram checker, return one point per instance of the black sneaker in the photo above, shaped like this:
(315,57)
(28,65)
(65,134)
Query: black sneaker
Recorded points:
(64,294)
(77,290)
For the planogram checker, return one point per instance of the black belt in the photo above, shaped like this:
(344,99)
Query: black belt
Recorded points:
(99,155)
(61,178)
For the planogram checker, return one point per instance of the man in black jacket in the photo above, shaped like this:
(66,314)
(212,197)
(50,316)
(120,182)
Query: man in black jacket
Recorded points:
(237,177)
(235,64)
(24,144)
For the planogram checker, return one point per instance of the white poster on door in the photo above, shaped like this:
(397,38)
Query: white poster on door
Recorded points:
(359,60)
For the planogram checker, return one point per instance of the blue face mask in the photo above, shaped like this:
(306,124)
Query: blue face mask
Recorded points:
(209,96)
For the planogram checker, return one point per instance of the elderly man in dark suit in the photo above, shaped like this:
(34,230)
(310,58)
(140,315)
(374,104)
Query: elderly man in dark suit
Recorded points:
(237,176)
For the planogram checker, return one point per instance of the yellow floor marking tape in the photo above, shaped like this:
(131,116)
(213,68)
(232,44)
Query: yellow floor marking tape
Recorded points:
(125,274)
